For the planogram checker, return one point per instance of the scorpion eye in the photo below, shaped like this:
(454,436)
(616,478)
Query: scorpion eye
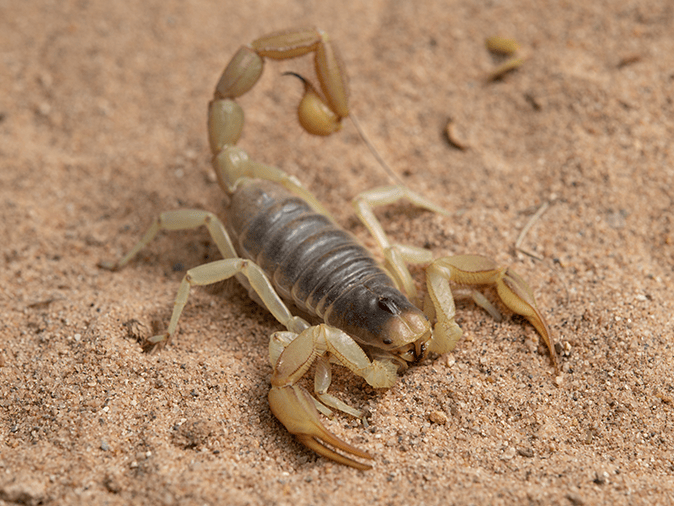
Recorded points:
(388,305)
(387,340)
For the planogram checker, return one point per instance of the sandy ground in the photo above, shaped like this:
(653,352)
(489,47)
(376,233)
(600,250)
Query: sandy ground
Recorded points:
(102,127)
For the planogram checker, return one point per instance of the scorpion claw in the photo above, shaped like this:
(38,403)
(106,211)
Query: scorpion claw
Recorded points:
(296,409)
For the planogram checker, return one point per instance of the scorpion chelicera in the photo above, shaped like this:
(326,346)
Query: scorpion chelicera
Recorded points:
(284,247)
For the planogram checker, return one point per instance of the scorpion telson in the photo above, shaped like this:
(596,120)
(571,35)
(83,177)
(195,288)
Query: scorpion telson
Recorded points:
(284,247)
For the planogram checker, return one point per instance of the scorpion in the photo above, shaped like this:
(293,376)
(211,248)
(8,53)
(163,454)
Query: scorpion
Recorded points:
(337,303)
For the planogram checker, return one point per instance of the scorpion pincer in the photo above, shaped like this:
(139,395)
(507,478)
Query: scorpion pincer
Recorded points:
(284,247)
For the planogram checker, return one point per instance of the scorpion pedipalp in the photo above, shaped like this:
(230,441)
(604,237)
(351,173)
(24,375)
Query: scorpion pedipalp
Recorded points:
(295,408)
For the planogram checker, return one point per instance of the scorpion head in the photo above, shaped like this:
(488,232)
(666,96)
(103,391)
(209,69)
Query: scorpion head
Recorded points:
(407,333)
(383,320)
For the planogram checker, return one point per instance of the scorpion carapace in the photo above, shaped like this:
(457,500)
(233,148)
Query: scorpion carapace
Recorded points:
(281,244)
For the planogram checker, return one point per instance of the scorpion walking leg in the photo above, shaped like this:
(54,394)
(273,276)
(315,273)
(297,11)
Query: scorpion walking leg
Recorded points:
(397,255)
(322,381)
(220,270)
(183,219)
(212,272)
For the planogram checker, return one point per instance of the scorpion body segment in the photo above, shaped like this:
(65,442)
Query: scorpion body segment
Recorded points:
(337,304)
(321,268)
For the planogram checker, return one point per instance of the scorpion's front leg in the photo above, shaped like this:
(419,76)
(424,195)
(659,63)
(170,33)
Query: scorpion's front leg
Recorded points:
(291,356)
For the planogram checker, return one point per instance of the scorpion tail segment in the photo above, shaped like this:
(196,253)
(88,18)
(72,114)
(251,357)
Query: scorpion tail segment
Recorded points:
(225,124)
(518,296)
(319,114)
(296,409)
(314,113)
(332,76)
(241,74)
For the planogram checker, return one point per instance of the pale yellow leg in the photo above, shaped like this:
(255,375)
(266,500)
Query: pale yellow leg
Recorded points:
(342,348)
(322,381)
(213,272)
(183,219)
(397,256)
(220,270)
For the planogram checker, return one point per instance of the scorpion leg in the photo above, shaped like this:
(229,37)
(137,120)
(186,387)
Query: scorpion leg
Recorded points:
(213,272)
(220,270)
(297,409)
(474,270)
(397,255)
(182,219)
(322,380)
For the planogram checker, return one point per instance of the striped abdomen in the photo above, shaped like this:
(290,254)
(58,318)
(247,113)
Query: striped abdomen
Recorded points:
(313,263)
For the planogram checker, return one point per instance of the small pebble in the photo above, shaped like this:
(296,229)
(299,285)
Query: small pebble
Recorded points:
(526,452)
(438,417)
(509,453)
(502,45)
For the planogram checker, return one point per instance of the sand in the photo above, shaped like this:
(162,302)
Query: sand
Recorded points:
(102,127)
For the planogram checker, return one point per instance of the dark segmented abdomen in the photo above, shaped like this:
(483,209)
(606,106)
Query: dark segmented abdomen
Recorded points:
(311,261)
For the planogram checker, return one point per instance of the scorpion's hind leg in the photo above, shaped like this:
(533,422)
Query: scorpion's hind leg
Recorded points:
(465,272)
